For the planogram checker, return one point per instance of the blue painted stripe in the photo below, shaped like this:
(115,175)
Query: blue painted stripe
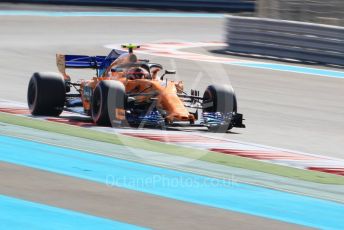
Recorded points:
(20,214)
(108,14)
(174,184)
(291,68)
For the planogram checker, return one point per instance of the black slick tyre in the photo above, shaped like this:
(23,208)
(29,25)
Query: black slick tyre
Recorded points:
(107,98)
(46,94)
(219,98)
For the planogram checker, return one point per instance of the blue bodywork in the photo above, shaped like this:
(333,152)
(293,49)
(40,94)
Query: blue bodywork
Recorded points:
(152,118)
(100,63)
(155,118)
(216,118)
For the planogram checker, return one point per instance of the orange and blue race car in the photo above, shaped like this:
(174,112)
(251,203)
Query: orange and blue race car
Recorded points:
(127,91)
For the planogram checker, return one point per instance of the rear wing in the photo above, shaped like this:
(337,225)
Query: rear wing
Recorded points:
(100,63)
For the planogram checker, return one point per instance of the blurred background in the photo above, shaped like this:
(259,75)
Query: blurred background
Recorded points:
(329,12)
(310,31)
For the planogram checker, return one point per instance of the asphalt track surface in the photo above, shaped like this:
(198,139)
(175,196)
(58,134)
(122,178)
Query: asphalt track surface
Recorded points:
(121,204)
(283,109)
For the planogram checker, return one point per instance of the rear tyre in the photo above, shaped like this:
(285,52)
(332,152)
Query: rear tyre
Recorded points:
(46,94)
(219,98)
(108,97)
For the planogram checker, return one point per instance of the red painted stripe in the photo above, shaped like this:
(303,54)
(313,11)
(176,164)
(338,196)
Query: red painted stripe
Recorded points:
(173,43)
(15,110)
(175,138)
(163,52)
(170,138)
(265,155)
(338,171)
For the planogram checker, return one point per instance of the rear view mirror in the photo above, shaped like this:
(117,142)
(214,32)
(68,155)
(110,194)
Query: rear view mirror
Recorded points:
(167,72)
(170,72)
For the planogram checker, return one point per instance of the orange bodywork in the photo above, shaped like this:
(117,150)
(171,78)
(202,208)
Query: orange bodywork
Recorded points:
(165,92)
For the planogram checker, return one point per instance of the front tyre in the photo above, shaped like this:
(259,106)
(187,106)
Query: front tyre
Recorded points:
(46,94)
(108,98)
(220,98)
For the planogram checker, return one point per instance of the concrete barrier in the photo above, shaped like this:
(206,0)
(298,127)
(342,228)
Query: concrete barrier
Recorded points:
(286,39)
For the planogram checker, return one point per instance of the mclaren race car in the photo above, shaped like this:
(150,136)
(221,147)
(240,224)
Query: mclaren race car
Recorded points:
(127,91)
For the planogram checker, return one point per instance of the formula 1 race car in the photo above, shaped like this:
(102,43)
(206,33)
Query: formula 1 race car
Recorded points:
(127,91)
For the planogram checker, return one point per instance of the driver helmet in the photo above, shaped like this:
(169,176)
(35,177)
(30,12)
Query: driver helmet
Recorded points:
(137,73)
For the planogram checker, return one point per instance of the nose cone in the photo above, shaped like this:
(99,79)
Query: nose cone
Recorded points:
(173,105)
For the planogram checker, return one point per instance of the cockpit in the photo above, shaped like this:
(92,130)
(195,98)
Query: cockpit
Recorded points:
(138,70)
